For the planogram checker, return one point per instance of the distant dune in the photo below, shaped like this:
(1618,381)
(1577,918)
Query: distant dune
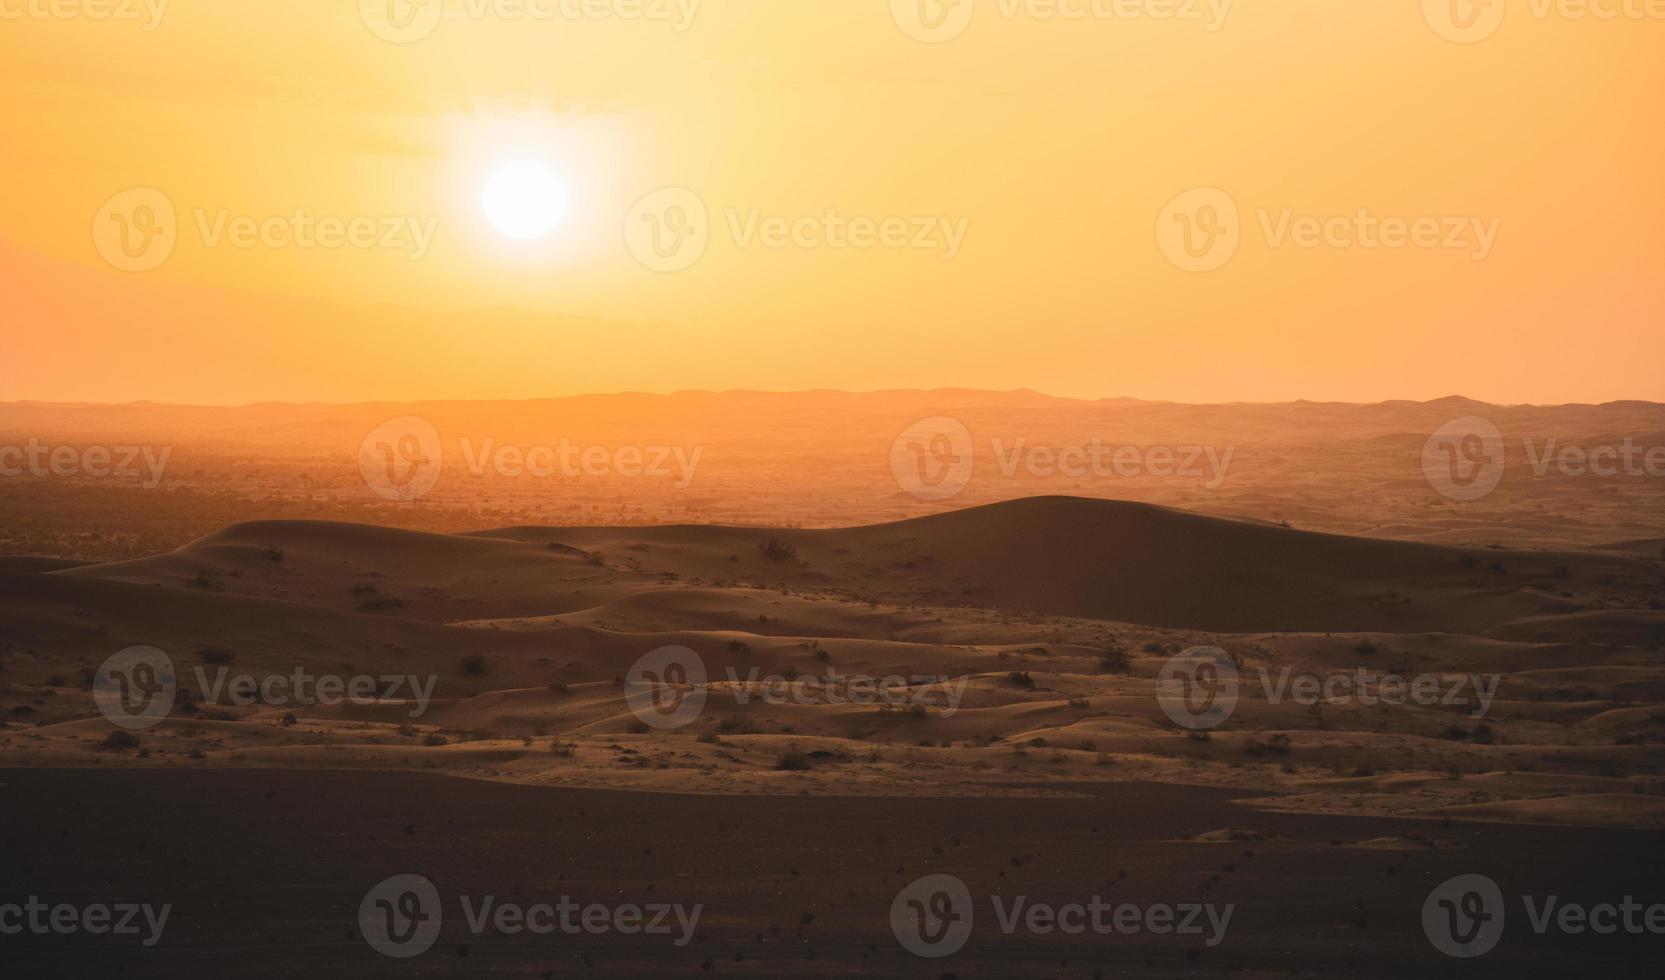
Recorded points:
(1029,624)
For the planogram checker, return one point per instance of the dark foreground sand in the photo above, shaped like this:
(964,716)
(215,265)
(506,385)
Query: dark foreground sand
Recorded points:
(266,869)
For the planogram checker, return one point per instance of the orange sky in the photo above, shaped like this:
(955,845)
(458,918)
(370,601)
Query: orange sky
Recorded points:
(1027,160)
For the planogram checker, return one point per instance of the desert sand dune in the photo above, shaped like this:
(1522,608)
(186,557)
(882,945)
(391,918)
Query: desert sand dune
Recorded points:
(1026,637)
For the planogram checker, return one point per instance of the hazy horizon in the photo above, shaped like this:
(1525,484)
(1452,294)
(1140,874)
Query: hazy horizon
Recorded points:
(1227,202)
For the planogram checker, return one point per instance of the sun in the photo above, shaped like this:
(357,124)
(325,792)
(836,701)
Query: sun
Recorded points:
(524,199)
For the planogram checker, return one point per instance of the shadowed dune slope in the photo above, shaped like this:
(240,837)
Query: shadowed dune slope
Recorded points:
(1136,563)
(1108,560)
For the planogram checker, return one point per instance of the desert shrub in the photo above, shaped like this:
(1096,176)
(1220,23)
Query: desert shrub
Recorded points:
(1365,648)
(434,739)
(739,646)
(709,738)
(775,549)
(215,656)
(794,762)
(1021,678)
(1274,745)
(381,604)
(288,720)
(637,728)
(1113,660)
(736,725)
(119,740)
(473,665)
(1483,734)
(56,680)
(274,554)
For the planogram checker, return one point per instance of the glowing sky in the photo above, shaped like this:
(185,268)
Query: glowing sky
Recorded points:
(807,194)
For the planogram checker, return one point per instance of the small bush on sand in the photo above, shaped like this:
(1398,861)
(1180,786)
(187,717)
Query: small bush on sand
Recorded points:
(775,549)
(119,741)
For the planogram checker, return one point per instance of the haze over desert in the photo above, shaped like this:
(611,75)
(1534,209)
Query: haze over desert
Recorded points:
(900,489)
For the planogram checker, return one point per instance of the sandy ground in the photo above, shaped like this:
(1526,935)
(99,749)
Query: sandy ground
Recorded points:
(264,871)
(1026,637)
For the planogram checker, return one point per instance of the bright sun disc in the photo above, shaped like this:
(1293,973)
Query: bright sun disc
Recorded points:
(524,200)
